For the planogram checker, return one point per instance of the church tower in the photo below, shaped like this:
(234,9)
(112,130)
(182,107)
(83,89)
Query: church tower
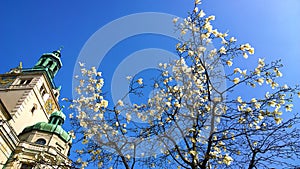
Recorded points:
(31,133)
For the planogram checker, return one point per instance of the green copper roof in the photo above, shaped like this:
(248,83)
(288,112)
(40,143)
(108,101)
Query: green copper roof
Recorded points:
(51,128)
(48,62)
(58,114)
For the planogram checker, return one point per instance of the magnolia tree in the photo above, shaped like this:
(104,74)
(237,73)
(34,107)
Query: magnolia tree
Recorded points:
(194,117)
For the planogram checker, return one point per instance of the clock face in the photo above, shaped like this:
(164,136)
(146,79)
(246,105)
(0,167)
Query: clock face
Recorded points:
(6,81)
(50,105)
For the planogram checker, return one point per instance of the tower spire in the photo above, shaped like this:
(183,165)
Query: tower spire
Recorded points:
(50,62)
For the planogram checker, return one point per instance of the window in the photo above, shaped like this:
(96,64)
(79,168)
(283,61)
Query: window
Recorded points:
(42,90)
(34,107)
(40,141)
(41,61)
(59,147)
(55,121)
(26,166)
(24,82)
(44,93)
(50,63)
(55,69)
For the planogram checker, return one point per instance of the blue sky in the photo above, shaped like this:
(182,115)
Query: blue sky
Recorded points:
(30,28)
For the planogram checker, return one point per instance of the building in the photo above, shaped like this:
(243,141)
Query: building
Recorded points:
(31,133)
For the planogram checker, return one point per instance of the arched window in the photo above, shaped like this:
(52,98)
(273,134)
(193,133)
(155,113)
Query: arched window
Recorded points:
(49,64)
(40,141)
(26,166)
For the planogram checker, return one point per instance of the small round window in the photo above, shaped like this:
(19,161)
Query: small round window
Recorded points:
(41,141)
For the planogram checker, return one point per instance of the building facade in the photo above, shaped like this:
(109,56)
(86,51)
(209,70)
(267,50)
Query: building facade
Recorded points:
(31,133)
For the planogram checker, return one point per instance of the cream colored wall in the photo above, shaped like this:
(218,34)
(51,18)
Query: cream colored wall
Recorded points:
(20,101)
(10,98)
(58,142)
(51,140)
(5,151)
(32,153)
(24,117)
(8,141)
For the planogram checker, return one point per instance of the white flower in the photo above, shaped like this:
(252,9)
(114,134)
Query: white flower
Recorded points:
(215,32)
(140,81)
(79,160)
(212,53)
(104,103)
(285,86)
(255,143)
(64,99)
(236,80)
(128,77)
(99,85)
(257,71)
(227,159)
(260,117)
(269,81)
(211,18)
(81,64)
(272,103)
(279,113)
(194,153)
(274,84)
(197,2)
(251,51)
(100,115)
(128,117)
(208,41)
(120,103)
(239,99)
(278,120)
(245,55)
(248,109)
(222,50)
(237,70)
(72,134)
(202,49)
(278,73)
(168,104)
(245,47)
(176,104)
(260,81)
(261,62)
(232,39)
(175,20)
(85,141)
(224,41)
(128,156)
(253,100)
(201,14)
(289,107)
(244,72)
(183,32)
(257,105)
(229,62)
(190,53)
(196,9)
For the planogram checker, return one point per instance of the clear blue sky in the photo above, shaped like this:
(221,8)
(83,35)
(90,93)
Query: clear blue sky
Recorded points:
(30,28)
